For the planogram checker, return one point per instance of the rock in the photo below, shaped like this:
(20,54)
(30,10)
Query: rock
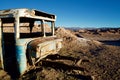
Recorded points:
(4,75)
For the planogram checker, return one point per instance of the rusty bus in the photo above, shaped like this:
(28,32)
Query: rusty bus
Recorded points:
(20,46)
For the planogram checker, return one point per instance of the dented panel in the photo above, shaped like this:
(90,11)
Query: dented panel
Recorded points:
(49,46)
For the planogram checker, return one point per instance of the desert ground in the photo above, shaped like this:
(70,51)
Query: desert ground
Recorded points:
(87,54)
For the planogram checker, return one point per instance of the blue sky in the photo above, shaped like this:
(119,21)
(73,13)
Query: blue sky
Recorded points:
(74,13)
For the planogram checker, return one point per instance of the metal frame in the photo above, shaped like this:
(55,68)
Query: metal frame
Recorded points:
(28,13)
(20,44)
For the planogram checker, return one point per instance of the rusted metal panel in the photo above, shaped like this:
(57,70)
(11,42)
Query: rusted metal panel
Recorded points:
(39,48)
(46,48)
(31,13)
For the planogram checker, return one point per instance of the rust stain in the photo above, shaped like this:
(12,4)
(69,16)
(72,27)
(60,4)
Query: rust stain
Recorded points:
(6,11)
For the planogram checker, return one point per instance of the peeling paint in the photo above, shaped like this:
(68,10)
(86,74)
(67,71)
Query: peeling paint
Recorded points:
(27,49)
